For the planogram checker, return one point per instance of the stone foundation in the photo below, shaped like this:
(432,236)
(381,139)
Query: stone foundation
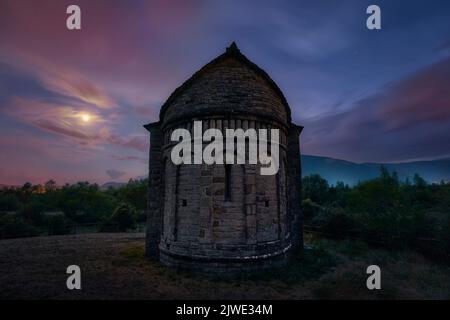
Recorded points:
(225,267)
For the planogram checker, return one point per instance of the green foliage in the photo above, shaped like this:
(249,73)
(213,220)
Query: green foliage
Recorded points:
(383,210)
(9,202)
(339,224)
(80,203)
(135,194)
(310,209)
(12,226)
(58,225)
(315,188)
(32,211)
(124,216)
(84,202)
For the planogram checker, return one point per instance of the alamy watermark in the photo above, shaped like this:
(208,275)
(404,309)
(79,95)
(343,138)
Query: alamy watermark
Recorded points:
(74,280)
(239,145)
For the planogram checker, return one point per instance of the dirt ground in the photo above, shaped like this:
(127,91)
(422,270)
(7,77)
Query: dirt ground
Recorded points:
(113,267)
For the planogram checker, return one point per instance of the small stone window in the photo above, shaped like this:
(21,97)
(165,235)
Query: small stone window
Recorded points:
(184,202)
(202,233)
(266,203)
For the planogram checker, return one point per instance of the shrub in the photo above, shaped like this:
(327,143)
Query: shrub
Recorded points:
(8,202)
(316,188)
(124,215)
(14,227)
(310,209)
(32,213)
(58,225)
(339,223)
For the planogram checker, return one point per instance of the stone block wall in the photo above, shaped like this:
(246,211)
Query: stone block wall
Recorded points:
(199,221)
(154,204)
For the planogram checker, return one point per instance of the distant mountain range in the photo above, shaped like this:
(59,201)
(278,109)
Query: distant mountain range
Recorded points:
(351,173)
(112,184)
(334,170)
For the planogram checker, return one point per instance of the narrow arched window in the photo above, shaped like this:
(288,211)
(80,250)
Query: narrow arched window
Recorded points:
(228,182)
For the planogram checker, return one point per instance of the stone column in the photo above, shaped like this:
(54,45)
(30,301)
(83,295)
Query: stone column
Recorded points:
(250,203)
(155,196)
(294,186)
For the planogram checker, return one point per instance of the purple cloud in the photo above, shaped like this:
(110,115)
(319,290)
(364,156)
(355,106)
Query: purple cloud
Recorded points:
(409,120)
(114,173)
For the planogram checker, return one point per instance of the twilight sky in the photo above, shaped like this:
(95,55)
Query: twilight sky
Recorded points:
(72,103)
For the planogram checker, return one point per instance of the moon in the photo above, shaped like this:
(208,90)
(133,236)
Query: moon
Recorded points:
(85,117)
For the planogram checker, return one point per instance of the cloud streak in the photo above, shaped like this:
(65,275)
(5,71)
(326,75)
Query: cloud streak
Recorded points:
(67,121)
(422,98)
(61,80)
(409,119)
(114,173)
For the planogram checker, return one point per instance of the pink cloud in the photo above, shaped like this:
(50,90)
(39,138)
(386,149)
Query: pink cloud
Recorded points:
(421,98)
(55,118)
(408,120)
(66,121)
(28,157)
(130,158)
(126,54)
(114,173)
(70,83)
(146,111)
(139,143)
(59,79)
(61,128)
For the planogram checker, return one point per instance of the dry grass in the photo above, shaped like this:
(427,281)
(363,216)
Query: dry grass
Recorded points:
(113,267)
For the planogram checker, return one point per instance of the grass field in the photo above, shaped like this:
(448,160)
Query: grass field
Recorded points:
(113,267)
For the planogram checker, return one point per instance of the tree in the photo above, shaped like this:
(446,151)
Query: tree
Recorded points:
(8,202)
(310,209)
(134,193)
(315,188)
(50,185)
(124,216)
(84,202)
(384,172)
(58,225)
(14,227)
(419,181)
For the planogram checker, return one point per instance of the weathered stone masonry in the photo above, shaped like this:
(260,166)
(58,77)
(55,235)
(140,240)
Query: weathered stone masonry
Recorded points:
(224,218)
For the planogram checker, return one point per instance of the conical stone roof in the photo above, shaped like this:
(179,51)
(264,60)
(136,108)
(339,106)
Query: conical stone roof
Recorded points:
(230,85)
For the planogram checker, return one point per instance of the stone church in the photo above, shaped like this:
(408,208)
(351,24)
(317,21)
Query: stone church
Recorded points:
(224,219)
